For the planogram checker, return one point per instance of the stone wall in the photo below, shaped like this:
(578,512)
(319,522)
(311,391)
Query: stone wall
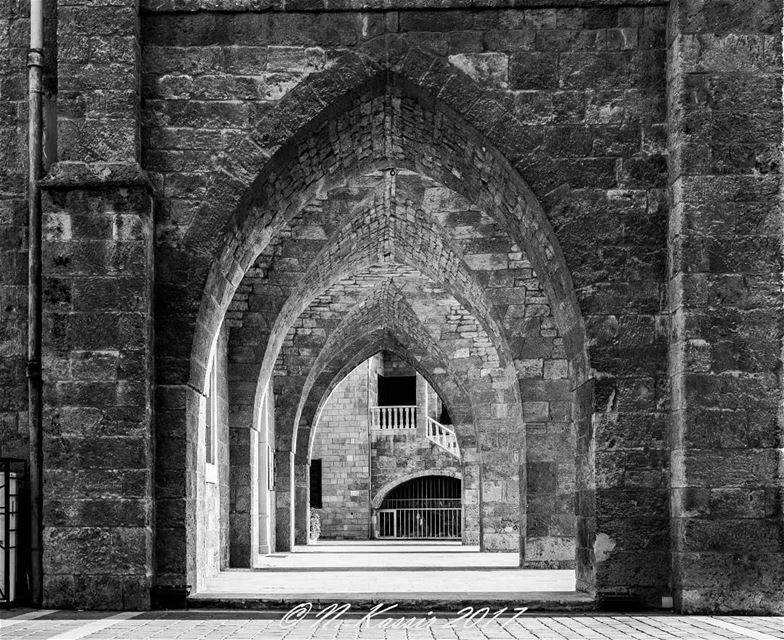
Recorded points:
(342,445)
(575,98)
(725,76)
(586,89)
(266,457)
(14,28)
(398,456)
(98,416)
(394,365)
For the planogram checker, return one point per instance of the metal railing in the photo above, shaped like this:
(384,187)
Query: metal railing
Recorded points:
(393,417)
(12,534)
(420,523)
(442,436)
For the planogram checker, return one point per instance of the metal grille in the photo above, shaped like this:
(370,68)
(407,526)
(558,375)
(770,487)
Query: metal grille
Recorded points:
(423,508)
(12,486)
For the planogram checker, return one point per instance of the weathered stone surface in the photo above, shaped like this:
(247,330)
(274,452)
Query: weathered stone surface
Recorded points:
(342,445)
(98,402)
(13,244)
(262,131)
(725,347)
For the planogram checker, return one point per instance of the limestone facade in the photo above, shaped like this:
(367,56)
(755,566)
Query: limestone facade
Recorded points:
(566,216)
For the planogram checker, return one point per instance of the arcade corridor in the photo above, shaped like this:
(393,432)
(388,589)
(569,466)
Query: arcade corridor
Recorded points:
(559,220)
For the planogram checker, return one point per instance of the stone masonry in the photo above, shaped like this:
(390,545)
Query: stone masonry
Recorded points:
(565,215)
(342,445)
(359,463)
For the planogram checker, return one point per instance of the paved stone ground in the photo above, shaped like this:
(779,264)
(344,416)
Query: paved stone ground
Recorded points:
(387,571)
(387,554)
(246,625)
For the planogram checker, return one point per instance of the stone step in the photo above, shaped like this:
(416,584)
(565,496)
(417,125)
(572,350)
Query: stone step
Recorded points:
(422,603)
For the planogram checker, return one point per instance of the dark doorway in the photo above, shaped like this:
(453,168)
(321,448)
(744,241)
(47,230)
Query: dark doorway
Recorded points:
(315,484)
(396,391)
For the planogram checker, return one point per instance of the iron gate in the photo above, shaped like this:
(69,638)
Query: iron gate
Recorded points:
(426,508)
(13,478)
(438,523)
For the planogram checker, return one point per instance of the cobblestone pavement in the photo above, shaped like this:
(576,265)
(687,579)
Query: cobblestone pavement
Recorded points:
(246,625)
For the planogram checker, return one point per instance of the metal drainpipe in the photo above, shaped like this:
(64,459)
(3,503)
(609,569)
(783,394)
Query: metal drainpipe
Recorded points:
(371,527)
(35,133)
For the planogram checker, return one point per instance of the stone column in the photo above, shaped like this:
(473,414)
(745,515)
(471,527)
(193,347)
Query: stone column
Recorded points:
(421,401)
(726,306)
(550,468)
(471,501)
(97,333)
(284,505)
(585,486)
(245,422)
(244,501)
(265,504)
(503,521)
(97,374)
(302,502)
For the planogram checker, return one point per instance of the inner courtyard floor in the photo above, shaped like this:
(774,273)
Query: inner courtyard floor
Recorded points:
(244,625)
(414,573)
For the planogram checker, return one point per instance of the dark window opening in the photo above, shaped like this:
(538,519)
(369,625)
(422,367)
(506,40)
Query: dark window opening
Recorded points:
(396,391)
(444,417)
(315,484)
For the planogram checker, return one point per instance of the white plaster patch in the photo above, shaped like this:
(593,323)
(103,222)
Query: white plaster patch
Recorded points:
(486,68)
(57,226)
(603,546)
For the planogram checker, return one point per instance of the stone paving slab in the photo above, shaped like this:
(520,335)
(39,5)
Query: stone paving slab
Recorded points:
(553,601)
(420,575)
(249,625)
(372,554)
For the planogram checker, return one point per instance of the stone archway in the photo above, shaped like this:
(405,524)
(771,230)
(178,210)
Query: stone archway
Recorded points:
(379,496)
(435,372)
(496,188)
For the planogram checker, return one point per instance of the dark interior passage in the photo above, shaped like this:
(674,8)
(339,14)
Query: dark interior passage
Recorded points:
(396,391)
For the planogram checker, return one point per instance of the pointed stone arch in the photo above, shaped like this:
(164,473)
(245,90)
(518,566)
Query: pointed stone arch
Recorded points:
(443,382)
(263,182)
(432,365)
(394,328)
(409,238)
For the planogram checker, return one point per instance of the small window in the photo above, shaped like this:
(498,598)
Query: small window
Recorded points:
(211,421)
(315,484)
